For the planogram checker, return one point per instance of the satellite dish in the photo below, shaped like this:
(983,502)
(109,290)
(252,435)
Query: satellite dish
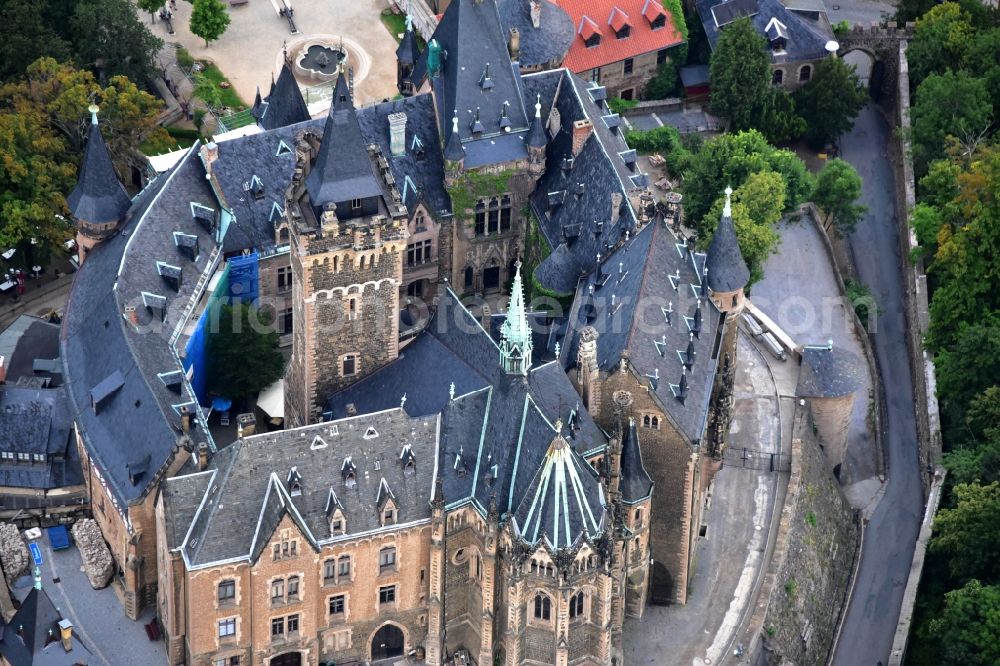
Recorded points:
(832,46)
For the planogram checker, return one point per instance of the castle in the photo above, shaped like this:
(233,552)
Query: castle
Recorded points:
(505,486)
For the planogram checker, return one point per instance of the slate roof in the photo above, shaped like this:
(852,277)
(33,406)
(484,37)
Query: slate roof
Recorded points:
(284,104)
(408,52)
(641,275)
(635,484)
(25,640)
(497,428)
(726,269)
(563,502)
(28,338)
(38,421)
(343,169)
(808,28)
(575,220)
(472,38)
(608,15)
(545,45)
(250,490)
(99,196)
(829,372)
(139,421)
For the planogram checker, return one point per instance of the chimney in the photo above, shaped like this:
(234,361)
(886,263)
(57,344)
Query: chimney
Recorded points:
(514,44)
(209,153)
(202,456)
(185,419)
(131,315)
(536,14)
(581,132)
(3,369)
(616,206)
(66,634)
(397,133)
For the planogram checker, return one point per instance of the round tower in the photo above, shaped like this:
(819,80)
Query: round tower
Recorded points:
(726,273)
(99,203)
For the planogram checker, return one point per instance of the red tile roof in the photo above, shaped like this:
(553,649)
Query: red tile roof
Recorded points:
(606,17)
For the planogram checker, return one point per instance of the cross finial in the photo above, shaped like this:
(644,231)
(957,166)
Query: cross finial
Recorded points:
(93,108)
(727,210)
(402,401)
(451,391)
(538,106)
(557,350)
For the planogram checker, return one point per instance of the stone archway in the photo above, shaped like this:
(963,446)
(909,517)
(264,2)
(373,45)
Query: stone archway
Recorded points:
(863,62)
(387,642)
(286,659)
(661,588)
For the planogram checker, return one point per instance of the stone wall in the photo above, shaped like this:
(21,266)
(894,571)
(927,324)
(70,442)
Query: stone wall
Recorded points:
(917,308)
(814,555)
(13,553)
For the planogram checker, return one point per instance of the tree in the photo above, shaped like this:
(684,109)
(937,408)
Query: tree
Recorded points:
(63,93)
(838,187)
(109,38)
(969,533)
(969,625)
(830,101)
(926,222)
(982,59)
(36,171)
(953,103)
(151,6)
(243,352)
(28,35)
(940,41)
(729,159)
(968,364)
(780,122)
(756,208)
(209,19)
(739,74)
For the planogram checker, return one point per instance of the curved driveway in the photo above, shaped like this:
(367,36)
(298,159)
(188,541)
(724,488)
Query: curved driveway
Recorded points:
(891,534)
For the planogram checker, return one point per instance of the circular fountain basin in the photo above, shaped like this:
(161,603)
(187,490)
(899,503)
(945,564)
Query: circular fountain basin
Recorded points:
(320,62)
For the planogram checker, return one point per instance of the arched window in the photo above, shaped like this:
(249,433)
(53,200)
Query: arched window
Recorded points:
(336,263)
(576,605)
(480,218)
(543,607)
(655,423)
(805,73)
(638,517)
(645,421)
(777,77)
(493,223)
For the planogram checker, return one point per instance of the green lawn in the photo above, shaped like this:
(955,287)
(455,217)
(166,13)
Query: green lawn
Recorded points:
(227,96)
(396,25)
(180,137)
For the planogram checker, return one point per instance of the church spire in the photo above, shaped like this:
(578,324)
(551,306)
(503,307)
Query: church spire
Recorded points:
(515,334)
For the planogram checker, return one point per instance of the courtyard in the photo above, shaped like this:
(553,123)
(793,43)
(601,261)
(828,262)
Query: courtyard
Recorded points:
(251,50)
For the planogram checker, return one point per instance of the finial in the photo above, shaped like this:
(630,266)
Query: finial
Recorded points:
(559,426)
(727,210)
(451,391)
(402,401)
(93,108)
(38,578)
(454,122)
(538,106)
(557,350)
(284,49)
(409,18)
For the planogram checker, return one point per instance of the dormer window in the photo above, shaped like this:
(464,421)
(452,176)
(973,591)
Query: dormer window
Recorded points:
(171,274)
(294,482)
(389,515)
(336,526)
(592,41)
(349,473)
(155,304)
(589,32)
(203,215)
(624,32)
(658,22)
(257,187)
(619,22)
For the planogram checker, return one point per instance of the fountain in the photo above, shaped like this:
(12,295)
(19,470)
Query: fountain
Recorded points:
(318,61)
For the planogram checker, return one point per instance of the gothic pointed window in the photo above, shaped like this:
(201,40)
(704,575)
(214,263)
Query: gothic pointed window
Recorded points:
(543,607)
(505,213)
(576,605)
(480,219)
(493,222)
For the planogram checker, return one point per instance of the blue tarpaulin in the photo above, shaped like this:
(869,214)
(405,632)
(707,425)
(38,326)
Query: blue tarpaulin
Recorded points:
(58,537)
(196,350)
(244,278)
(221,404)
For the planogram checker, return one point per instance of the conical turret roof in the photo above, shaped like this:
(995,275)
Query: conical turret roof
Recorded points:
(536,133)
(635,482)
(407,52)
(284,105)
(727,271)
(453,150)
(99,197)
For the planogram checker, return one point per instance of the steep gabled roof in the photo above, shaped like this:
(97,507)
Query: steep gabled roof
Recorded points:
(408,52)
(27,640)
(343,169)
(635,484)
(99,197)
(805,29)
(545,44)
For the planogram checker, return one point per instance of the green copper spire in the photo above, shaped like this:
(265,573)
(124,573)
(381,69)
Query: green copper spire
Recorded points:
(515,334)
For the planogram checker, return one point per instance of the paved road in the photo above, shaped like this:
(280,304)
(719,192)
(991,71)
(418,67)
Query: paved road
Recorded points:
(859,11)
(891,534)
(684,121)
(730,556)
